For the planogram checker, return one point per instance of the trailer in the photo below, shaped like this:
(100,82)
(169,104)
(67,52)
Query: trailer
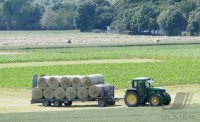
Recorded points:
(107,97)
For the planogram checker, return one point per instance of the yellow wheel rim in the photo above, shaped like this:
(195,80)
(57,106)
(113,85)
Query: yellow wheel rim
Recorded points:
(155,100)
(131,99)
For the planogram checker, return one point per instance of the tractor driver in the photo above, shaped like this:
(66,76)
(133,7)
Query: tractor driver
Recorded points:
(142,88)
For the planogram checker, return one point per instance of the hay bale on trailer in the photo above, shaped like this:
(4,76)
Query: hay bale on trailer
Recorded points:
(54,82)
(71,93)
(82,93)
(95,90)
(48,93)
(77,82)
(42,82)
(59,93)
(66,82)
(93,79)
(37,93)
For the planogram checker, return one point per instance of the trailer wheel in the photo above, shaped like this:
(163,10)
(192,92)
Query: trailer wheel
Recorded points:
(112,102)
(68,104)
(102,103)
(46,103)
(57,103)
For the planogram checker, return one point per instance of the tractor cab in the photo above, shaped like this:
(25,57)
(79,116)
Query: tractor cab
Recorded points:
(142,91)
(142,82)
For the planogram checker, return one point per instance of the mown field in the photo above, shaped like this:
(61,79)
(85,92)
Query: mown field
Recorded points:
(140,114)
(173,52)
(171,65)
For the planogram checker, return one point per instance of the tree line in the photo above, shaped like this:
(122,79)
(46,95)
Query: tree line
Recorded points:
(172,17)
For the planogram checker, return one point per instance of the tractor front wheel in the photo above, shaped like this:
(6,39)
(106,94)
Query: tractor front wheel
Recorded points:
(168,97)
(156,100)
(131,99)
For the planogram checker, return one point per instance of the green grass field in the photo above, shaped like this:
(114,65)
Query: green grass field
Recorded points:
(165,73)
(178,64)
(174,52)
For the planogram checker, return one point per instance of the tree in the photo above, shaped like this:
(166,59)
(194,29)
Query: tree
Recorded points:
(186,6)
(60,16)
(140,18)
(172,22)
(57,20)
(103,17)
(194,23)
(21,14)
(2,25)
(85,19)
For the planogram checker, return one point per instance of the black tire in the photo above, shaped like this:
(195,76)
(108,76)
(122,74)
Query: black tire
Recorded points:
(46,103)
(57,103)
(111,102)
(68,104)
(102,103)
(156,100)
(131,99)
(168,97)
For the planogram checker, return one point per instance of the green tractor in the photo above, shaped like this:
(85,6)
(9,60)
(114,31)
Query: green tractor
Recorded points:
(142,92)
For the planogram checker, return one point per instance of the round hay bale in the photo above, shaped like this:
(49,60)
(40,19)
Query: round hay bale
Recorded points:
(77,82)
(66,82)
(95,90)
(82,93)
(48,93)
(54,82)
(93,79)
(37,93)
(157,40)
(71,93)
(42,82)
(59,93)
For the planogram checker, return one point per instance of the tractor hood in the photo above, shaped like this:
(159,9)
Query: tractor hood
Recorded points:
(156,89)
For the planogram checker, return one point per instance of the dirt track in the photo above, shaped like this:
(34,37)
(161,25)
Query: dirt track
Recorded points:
(53,63)
(18,100)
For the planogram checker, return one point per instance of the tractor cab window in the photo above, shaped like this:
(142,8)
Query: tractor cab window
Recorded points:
(147,84)
(142,87)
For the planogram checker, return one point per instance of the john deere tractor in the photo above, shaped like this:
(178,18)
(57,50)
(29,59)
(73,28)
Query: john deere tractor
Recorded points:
(143,92)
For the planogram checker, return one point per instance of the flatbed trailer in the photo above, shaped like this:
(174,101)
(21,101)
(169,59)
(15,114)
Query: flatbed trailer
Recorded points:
(107,97)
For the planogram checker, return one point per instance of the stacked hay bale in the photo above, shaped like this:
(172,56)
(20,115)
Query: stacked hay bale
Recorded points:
(71,87)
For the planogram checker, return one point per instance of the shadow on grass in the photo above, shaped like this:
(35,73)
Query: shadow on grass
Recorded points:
(80,106)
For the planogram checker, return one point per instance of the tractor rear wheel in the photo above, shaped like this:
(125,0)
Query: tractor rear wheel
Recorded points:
(68,104)
(57,103)
(156,100)
(168,97)
(131,99)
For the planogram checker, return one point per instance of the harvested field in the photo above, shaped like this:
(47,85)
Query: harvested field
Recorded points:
(22,38)
(19,100)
